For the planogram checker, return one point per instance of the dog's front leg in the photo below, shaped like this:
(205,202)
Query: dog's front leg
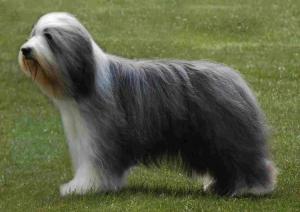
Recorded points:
(87,176)
(86,180)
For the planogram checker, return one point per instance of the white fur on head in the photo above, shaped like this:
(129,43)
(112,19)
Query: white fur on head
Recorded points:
(64,59)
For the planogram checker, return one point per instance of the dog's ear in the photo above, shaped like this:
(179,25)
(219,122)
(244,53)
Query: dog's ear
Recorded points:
(73,52)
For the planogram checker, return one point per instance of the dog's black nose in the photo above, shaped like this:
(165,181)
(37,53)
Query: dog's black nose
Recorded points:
(26,51)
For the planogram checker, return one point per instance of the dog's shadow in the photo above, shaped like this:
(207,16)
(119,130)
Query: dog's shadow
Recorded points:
(159,191)
(163,191)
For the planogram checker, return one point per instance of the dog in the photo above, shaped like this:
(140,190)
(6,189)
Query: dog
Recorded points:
(118,113)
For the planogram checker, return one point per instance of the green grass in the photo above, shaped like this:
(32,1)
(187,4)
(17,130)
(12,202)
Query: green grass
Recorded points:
(259,38)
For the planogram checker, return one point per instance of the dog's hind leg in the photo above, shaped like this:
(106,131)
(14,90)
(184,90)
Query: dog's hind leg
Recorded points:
(259,185)
(258,179)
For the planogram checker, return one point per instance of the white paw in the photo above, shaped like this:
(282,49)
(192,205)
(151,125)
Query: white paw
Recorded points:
(79,187)
(208,183)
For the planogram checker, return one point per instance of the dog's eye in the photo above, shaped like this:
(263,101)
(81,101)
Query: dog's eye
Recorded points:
(48,36)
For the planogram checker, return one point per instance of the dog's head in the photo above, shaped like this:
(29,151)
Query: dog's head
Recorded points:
(59,56)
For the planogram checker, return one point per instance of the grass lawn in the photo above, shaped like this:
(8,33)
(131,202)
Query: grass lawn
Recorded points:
(259,38)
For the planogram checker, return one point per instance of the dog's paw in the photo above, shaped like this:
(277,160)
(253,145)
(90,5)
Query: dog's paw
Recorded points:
(78,187)
(208,183)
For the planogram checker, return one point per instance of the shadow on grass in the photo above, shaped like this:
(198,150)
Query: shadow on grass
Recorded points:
(162,191)
(181,192)
(156,192)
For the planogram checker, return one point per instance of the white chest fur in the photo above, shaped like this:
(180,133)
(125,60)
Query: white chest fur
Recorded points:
(87,177)
(77,132)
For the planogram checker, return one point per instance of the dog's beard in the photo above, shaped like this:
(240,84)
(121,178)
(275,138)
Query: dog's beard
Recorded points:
(32,66)
(44,75)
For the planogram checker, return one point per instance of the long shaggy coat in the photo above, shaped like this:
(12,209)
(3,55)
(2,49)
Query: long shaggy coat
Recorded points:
(118,113)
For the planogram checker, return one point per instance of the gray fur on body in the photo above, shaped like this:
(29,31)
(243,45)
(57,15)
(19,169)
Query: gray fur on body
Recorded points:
(204,111)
